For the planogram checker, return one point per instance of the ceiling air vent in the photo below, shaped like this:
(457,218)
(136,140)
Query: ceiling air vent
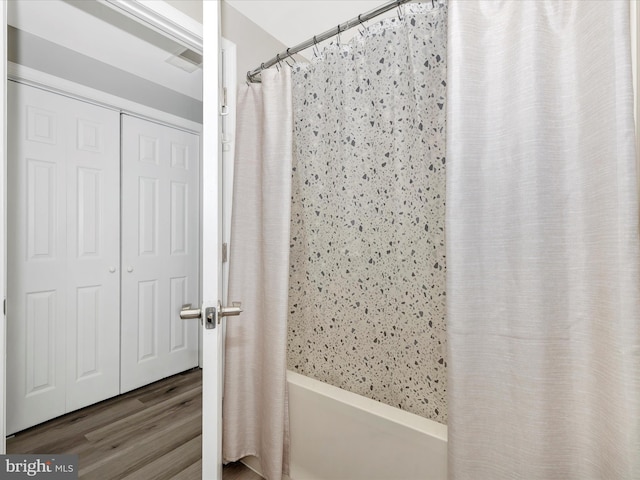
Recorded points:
(187,60)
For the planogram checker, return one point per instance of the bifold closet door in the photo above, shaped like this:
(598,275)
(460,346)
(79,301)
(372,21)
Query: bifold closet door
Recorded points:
(63,328)
(160,251)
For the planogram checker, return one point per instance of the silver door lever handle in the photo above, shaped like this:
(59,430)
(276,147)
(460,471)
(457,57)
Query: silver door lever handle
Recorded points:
(231,311)
(187,312)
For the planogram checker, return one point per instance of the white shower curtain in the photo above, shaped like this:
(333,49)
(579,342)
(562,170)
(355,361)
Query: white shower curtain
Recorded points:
(255,414)
(542,242)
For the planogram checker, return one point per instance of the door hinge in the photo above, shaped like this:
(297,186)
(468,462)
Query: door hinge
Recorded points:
(224,253)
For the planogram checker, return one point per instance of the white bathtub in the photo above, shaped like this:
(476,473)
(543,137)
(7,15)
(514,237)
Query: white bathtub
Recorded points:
(338,435)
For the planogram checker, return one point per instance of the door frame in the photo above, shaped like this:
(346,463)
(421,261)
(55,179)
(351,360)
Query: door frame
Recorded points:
(634,10)
(159,16)
(3,229)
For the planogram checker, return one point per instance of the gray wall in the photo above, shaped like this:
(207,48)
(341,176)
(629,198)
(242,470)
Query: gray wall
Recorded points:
(40,54)
(192,8)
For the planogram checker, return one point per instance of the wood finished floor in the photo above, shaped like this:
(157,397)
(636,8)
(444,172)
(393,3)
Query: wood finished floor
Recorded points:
(152,433)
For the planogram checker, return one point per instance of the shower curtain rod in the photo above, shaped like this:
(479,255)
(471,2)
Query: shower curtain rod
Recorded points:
(252,76)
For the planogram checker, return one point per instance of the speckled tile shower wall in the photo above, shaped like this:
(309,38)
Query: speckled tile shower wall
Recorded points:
(367,291)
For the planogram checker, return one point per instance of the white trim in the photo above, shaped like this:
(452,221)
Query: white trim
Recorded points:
(45,81)
(229,81)
(634,22)
(163,18)
(635,62)
(3,222)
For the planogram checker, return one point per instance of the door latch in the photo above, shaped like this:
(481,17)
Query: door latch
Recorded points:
(210,317)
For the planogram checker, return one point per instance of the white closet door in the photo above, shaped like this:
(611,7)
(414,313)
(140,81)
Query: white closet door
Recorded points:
(63,234)
(93,255)
(160,251)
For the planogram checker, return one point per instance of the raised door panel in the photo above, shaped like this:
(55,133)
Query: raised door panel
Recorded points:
(148,208)
(41,208)
(40,352)
(160,251)
(179,204)
(179,334)
(147,324)
(87,345)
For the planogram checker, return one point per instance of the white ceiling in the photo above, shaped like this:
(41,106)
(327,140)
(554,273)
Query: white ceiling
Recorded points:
(294,21)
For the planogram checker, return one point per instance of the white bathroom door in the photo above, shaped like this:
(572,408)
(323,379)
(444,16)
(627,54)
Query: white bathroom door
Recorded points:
(212,339)
(160,250)
(63,252)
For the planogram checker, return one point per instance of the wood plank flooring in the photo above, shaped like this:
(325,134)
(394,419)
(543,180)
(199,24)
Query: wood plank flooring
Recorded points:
(152,433)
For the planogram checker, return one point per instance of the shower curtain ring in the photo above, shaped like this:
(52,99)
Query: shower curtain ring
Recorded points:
(364,27)
(338,34)
(289,56)
(400,17)
(316,52)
